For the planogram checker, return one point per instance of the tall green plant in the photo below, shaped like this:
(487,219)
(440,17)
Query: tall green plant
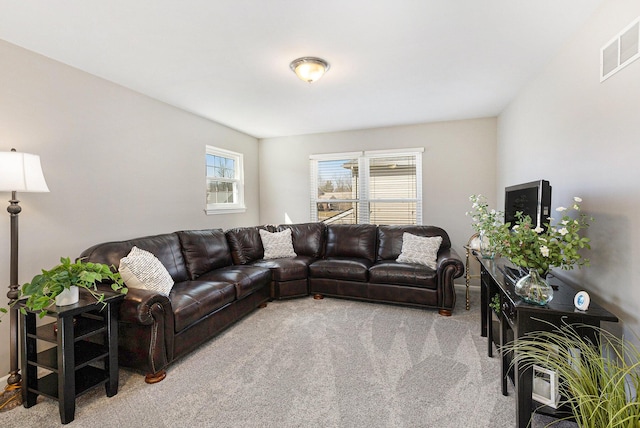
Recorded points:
(600,385)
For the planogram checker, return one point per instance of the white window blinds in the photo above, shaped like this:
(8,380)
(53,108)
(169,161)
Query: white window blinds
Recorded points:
(379,187)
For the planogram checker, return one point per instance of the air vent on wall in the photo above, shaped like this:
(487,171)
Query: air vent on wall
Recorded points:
(620,51)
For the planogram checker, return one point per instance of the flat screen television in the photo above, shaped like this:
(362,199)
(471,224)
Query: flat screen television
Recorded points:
(532,199)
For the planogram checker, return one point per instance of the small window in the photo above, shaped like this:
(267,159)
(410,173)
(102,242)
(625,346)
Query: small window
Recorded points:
(225,181)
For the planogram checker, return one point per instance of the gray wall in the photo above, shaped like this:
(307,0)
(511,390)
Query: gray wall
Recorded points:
(119,165)
(584,137)
(459,159)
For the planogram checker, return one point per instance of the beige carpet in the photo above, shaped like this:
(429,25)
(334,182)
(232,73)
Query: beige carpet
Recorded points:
(310,363)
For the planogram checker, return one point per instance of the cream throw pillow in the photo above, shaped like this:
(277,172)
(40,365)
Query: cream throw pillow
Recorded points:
(420,249)
(141,269)
(277,245)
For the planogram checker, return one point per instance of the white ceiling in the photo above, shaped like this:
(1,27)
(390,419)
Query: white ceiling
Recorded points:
(392,62)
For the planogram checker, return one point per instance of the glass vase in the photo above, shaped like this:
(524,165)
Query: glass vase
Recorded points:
(534,289)
(486,248)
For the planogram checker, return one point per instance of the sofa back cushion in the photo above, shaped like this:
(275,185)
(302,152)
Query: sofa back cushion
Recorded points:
(204,250)
(168,250)
(108,253)
(308,238)
(165,247)
(351,240)
(245,244)
(390,239)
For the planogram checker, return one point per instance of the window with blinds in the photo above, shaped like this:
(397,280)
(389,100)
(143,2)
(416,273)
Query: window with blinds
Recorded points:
(378,187)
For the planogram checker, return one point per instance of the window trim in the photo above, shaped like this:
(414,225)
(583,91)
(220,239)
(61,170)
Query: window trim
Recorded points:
(238,180)
(364,199)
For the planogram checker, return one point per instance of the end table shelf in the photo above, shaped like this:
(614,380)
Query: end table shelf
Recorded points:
(84,355)
(85,379)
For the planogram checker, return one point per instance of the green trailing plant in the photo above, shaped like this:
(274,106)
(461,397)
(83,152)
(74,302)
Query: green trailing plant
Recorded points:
(599,383)
(41,292)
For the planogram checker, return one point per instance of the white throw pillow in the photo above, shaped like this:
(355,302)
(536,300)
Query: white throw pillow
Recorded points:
(141,269)
(420,249)
(277,245)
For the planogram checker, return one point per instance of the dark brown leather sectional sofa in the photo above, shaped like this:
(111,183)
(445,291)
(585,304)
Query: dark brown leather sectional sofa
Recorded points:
(222,276)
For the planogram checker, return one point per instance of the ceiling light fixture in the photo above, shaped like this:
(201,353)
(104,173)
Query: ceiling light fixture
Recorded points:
(309,68)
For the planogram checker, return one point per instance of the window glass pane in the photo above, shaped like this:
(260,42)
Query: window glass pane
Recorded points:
(230,168)
(392,212)
(392,178)
(338,179)
(222,167)
(220,192)
(338,212)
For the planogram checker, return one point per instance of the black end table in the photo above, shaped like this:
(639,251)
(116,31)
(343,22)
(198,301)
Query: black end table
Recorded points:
(78,351)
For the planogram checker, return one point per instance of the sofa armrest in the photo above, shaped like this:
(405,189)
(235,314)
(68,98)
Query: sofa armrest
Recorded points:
(137,307)
(449,258)
(138,303)
(146,334)
(449,267)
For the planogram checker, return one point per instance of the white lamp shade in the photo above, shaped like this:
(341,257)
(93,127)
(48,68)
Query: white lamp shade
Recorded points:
(21,172)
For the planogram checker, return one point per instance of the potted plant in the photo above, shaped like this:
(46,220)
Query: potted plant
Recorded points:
(487,223)
(43,289)
(537,249)
(599,382)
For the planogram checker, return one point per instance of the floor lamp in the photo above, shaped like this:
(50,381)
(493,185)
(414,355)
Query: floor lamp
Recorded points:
(19,172)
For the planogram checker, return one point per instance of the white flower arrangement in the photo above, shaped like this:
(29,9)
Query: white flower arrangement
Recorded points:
(486,222)
(535,248)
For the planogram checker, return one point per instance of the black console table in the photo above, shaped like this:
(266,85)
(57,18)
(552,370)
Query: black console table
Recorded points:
(517,318)
(84,355)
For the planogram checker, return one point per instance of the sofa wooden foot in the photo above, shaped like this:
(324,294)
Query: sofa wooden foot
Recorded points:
(155,377)
(318,297)
(262,305)
(444,312)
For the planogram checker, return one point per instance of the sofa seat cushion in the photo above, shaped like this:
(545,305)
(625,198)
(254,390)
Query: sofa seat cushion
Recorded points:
(392,272)
(245,278)
(287,269)
(191,301)
(347,269)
